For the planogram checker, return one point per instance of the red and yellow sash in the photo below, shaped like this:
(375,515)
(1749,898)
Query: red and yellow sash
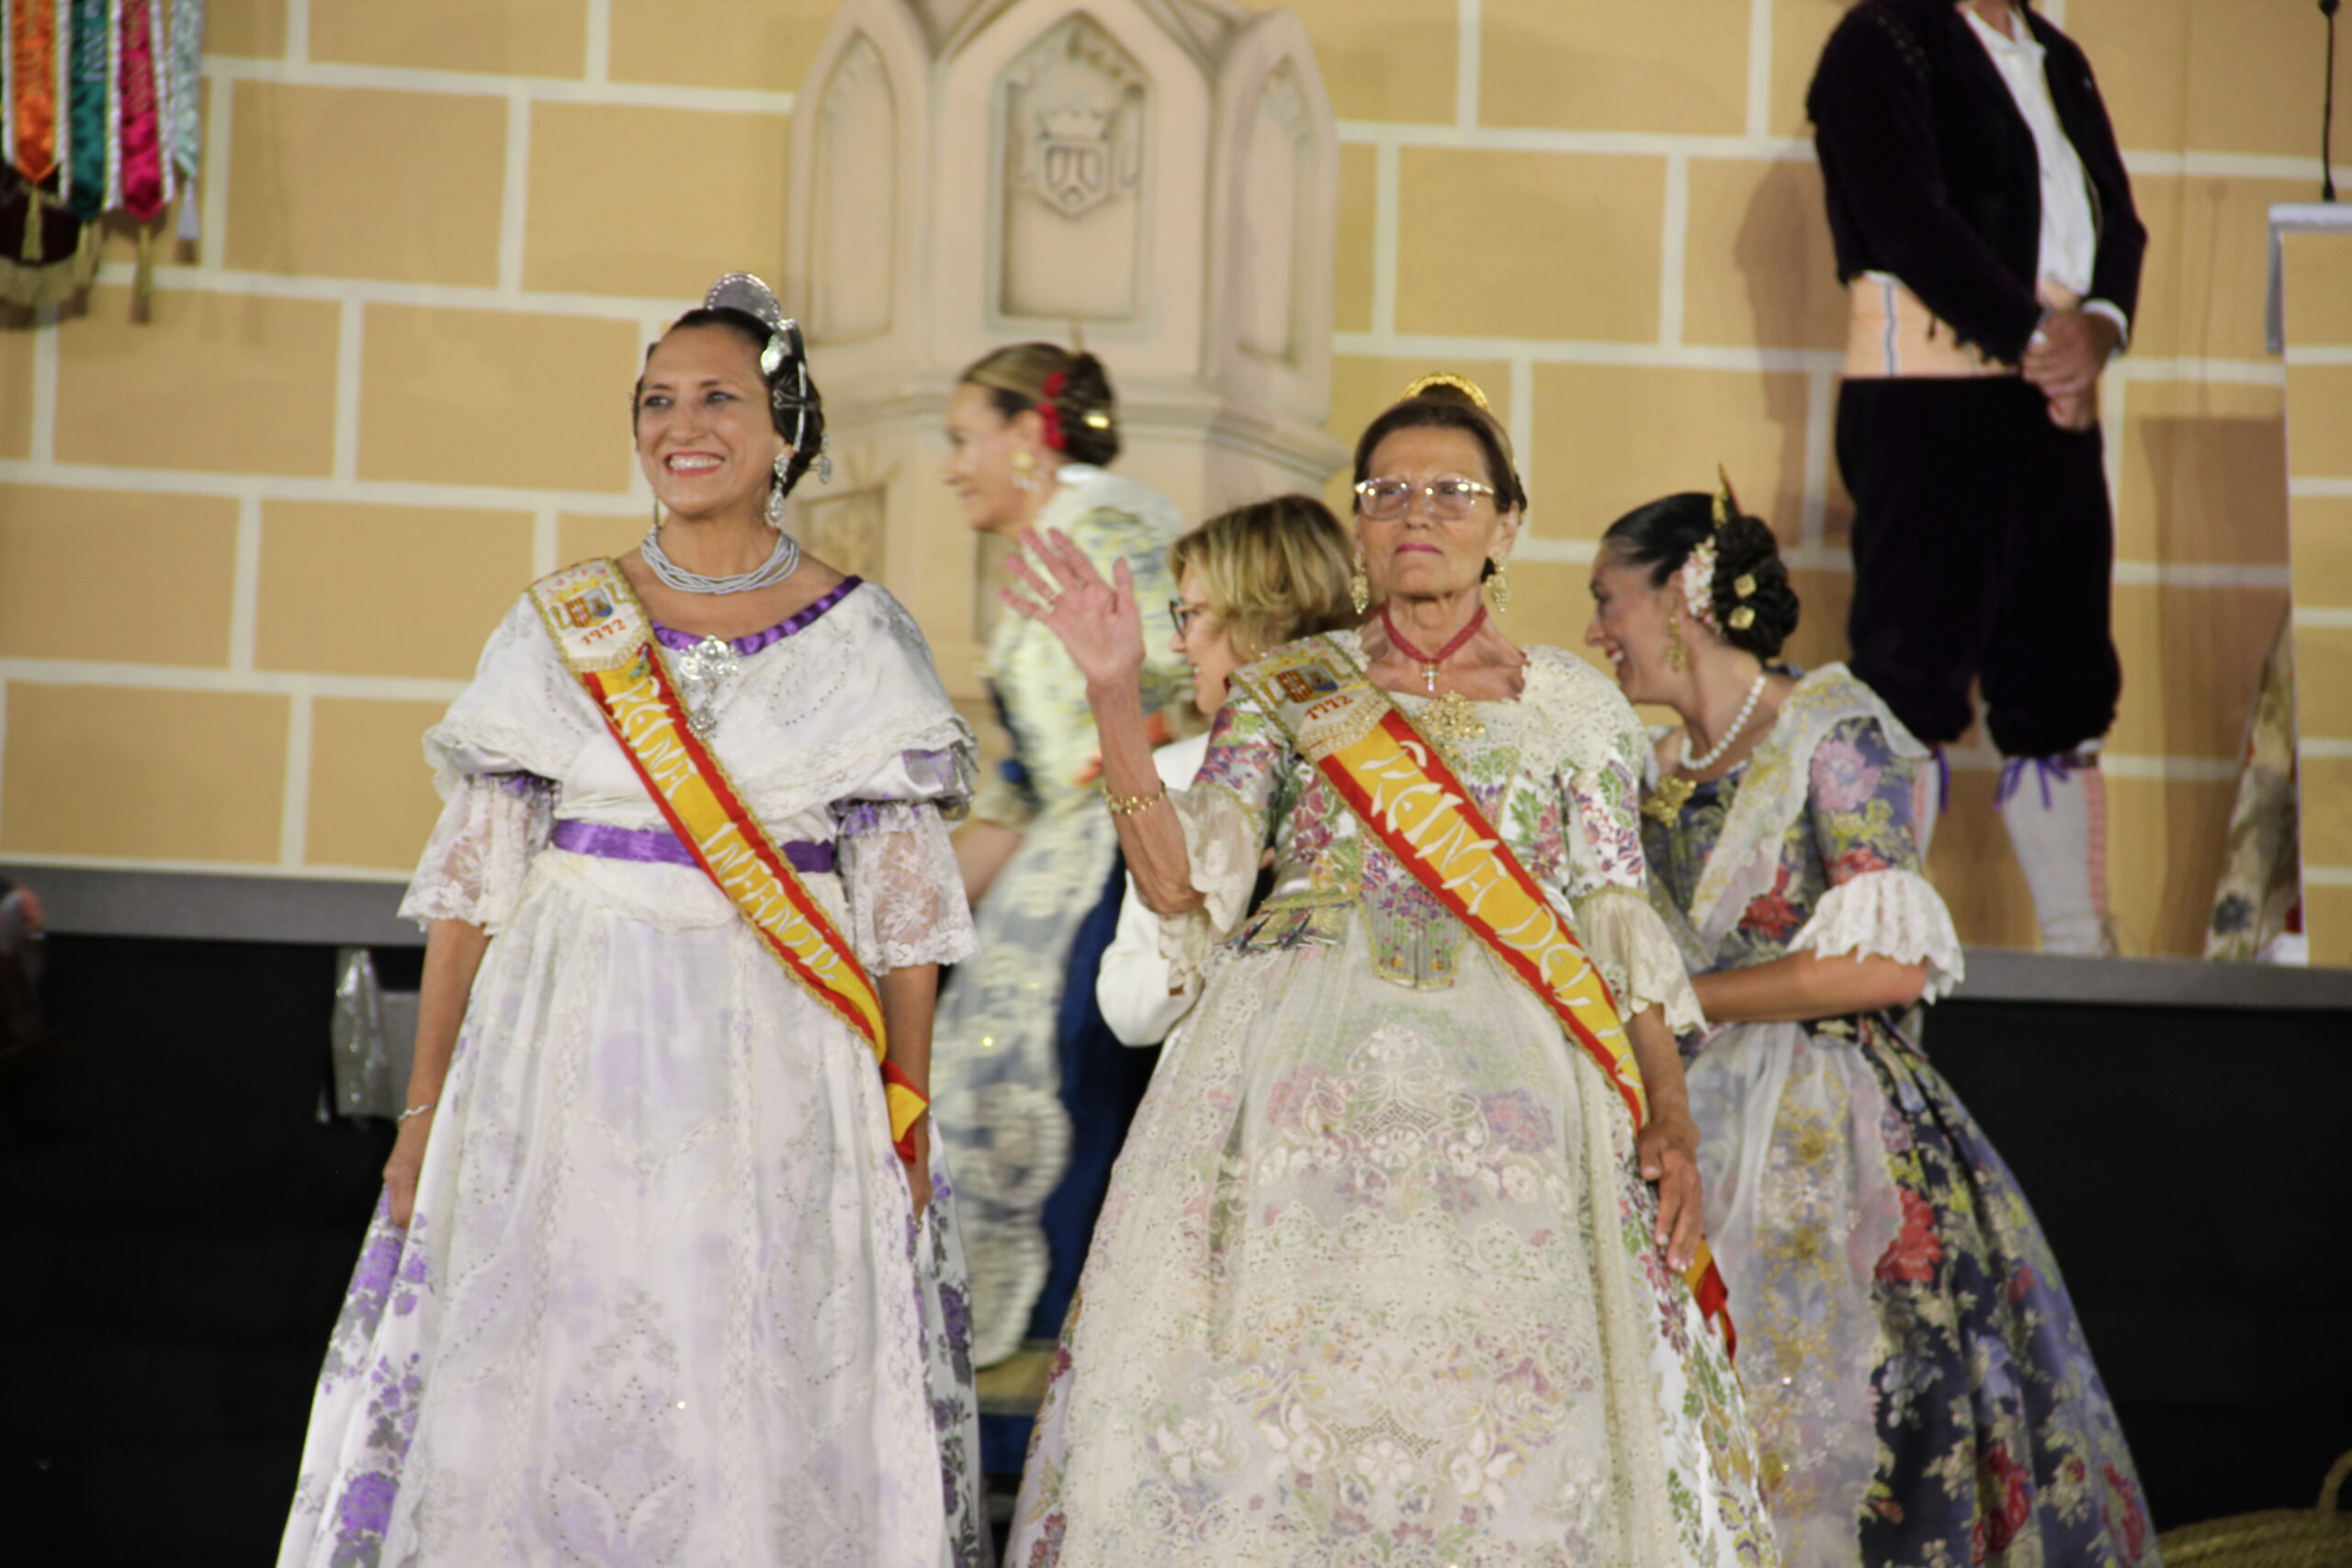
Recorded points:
(606,640)
(1410,800)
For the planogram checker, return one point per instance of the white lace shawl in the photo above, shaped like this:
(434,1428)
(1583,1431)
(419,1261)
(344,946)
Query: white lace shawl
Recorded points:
(843,726)
(1893,913)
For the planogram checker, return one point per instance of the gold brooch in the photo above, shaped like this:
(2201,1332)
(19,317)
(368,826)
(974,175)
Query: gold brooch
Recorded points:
(1667,800)
(1451,720)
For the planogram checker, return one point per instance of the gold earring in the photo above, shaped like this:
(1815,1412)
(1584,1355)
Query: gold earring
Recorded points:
(1360,586)
(1499,585)
(1678,652)
(1024,466)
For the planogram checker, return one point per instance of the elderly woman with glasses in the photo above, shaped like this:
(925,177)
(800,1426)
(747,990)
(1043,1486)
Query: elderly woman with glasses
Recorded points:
(1396,1265)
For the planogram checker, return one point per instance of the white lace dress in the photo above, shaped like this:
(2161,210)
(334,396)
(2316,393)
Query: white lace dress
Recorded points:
(1375,1281)
(663,1299)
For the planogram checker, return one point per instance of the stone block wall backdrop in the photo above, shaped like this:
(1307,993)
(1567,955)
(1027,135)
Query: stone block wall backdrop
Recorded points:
(248,548)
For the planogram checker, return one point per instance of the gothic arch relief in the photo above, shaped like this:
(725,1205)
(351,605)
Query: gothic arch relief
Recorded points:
(1160,174)
(1275,221)
(855,232)
(1073,111)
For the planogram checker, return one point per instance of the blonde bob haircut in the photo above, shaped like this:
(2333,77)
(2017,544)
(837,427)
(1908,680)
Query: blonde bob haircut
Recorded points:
(1271,571)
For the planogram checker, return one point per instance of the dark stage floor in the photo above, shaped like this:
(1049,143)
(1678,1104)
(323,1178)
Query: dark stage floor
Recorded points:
(179,1225)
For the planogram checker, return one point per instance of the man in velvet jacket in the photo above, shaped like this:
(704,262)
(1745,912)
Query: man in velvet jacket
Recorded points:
(1984,228)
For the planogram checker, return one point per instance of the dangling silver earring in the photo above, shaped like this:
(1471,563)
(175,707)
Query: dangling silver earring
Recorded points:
(774,511)
(825,460)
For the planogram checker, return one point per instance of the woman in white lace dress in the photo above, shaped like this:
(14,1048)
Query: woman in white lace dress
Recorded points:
(650,1283)
(1386,1275)
(1920,1386)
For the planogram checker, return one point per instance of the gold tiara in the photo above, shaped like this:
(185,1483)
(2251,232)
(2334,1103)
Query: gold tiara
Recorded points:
(1462,384)
(1726,503)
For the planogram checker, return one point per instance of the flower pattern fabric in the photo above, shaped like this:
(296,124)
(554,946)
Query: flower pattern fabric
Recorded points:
(1922,1392)
(663,1299)
(1375,1281)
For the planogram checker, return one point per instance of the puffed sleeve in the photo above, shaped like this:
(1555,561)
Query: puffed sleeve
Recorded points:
(514,728)
(1862,801)
(490,826)
(1229,816)
(1609,875)
(898,869)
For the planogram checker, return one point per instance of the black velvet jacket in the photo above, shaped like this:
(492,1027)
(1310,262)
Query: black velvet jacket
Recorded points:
(1932,173)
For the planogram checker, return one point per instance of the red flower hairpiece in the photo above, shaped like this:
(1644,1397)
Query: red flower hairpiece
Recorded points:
(1049,415)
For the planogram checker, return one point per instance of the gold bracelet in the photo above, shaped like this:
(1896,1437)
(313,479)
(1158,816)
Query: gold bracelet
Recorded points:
(1128,804)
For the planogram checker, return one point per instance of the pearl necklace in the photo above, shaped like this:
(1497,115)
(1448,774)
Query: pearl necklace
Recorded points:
(1715,753)
(782,563)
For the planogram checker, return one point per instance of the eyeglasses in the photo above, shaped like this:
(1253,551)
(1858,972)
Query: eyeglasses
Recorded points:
(1184,615)
(1451,501)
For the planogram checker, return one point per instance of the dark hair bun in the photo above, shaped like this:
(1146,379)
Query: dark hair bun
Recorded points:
(1088,411)
(1745,547)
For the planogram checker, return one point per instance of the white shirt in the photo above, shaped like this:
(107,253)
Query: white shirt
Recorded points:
(1133,985)
(2069,231)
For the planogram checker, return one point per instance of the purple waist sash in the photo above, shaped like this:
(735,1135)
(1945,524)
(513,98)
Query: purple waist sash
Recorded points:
(660,845)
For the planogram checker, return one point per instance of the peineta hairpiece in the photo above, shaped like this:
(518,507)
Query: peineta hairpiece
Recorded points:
(1462,384)
(741,291)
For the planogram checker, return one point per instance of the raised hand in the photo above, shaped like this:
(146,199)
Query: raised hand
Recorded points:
(1095,620)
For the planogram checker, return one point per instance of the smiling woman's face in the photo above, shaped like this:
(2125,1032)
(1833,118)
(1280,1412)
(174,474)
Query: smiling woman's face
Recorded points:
(703,434)
(1630,627)
(1419,555)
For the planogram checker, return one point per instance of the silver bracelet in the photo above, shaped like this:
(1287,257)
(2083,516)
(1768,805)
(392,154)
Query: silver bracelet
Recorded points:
(414,1110)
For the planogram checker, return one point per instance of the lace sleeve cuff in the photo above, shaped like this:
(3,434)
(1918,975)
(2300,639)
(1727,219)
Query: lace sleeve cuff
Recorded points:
(472,867)
(1630,946)
(1224,851)
(906,897)
(1888,914)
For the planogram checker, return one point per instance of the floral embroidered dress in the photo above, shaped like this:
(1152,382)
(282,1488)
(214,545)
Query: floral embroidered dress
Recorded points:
(1010,1056)
(1375,1282)
(1921,1389)
(663,1299)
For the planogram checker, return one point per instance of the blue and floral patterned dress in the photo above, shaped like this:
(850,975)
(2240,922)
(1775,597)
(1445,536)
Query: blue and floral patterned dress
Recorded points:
(1030,1089)
(1919,1383)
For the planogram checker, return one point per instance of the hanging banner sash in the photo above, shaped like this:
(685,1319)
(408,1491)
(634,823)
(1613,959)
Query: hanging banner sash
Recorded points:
(90,109)
(1407,798)
(605,640)
(140,128)
(32,87)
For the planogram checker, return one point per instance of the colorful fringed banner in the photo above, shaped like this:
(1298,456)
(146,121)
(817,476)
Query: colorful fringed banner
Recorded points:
(98,115)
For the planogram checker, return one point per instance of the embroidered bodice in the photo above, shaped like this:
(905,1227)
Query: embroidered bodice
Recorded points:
(1812,844)
(1554,771)
(832,725)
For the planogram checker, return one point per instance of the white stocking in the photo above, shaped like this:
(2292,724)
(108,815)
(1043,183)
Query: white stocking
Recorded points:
(2055,811)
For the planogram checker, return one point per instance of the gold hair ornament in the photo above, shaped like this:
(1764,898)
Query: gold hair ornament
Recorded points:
(1462,384)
